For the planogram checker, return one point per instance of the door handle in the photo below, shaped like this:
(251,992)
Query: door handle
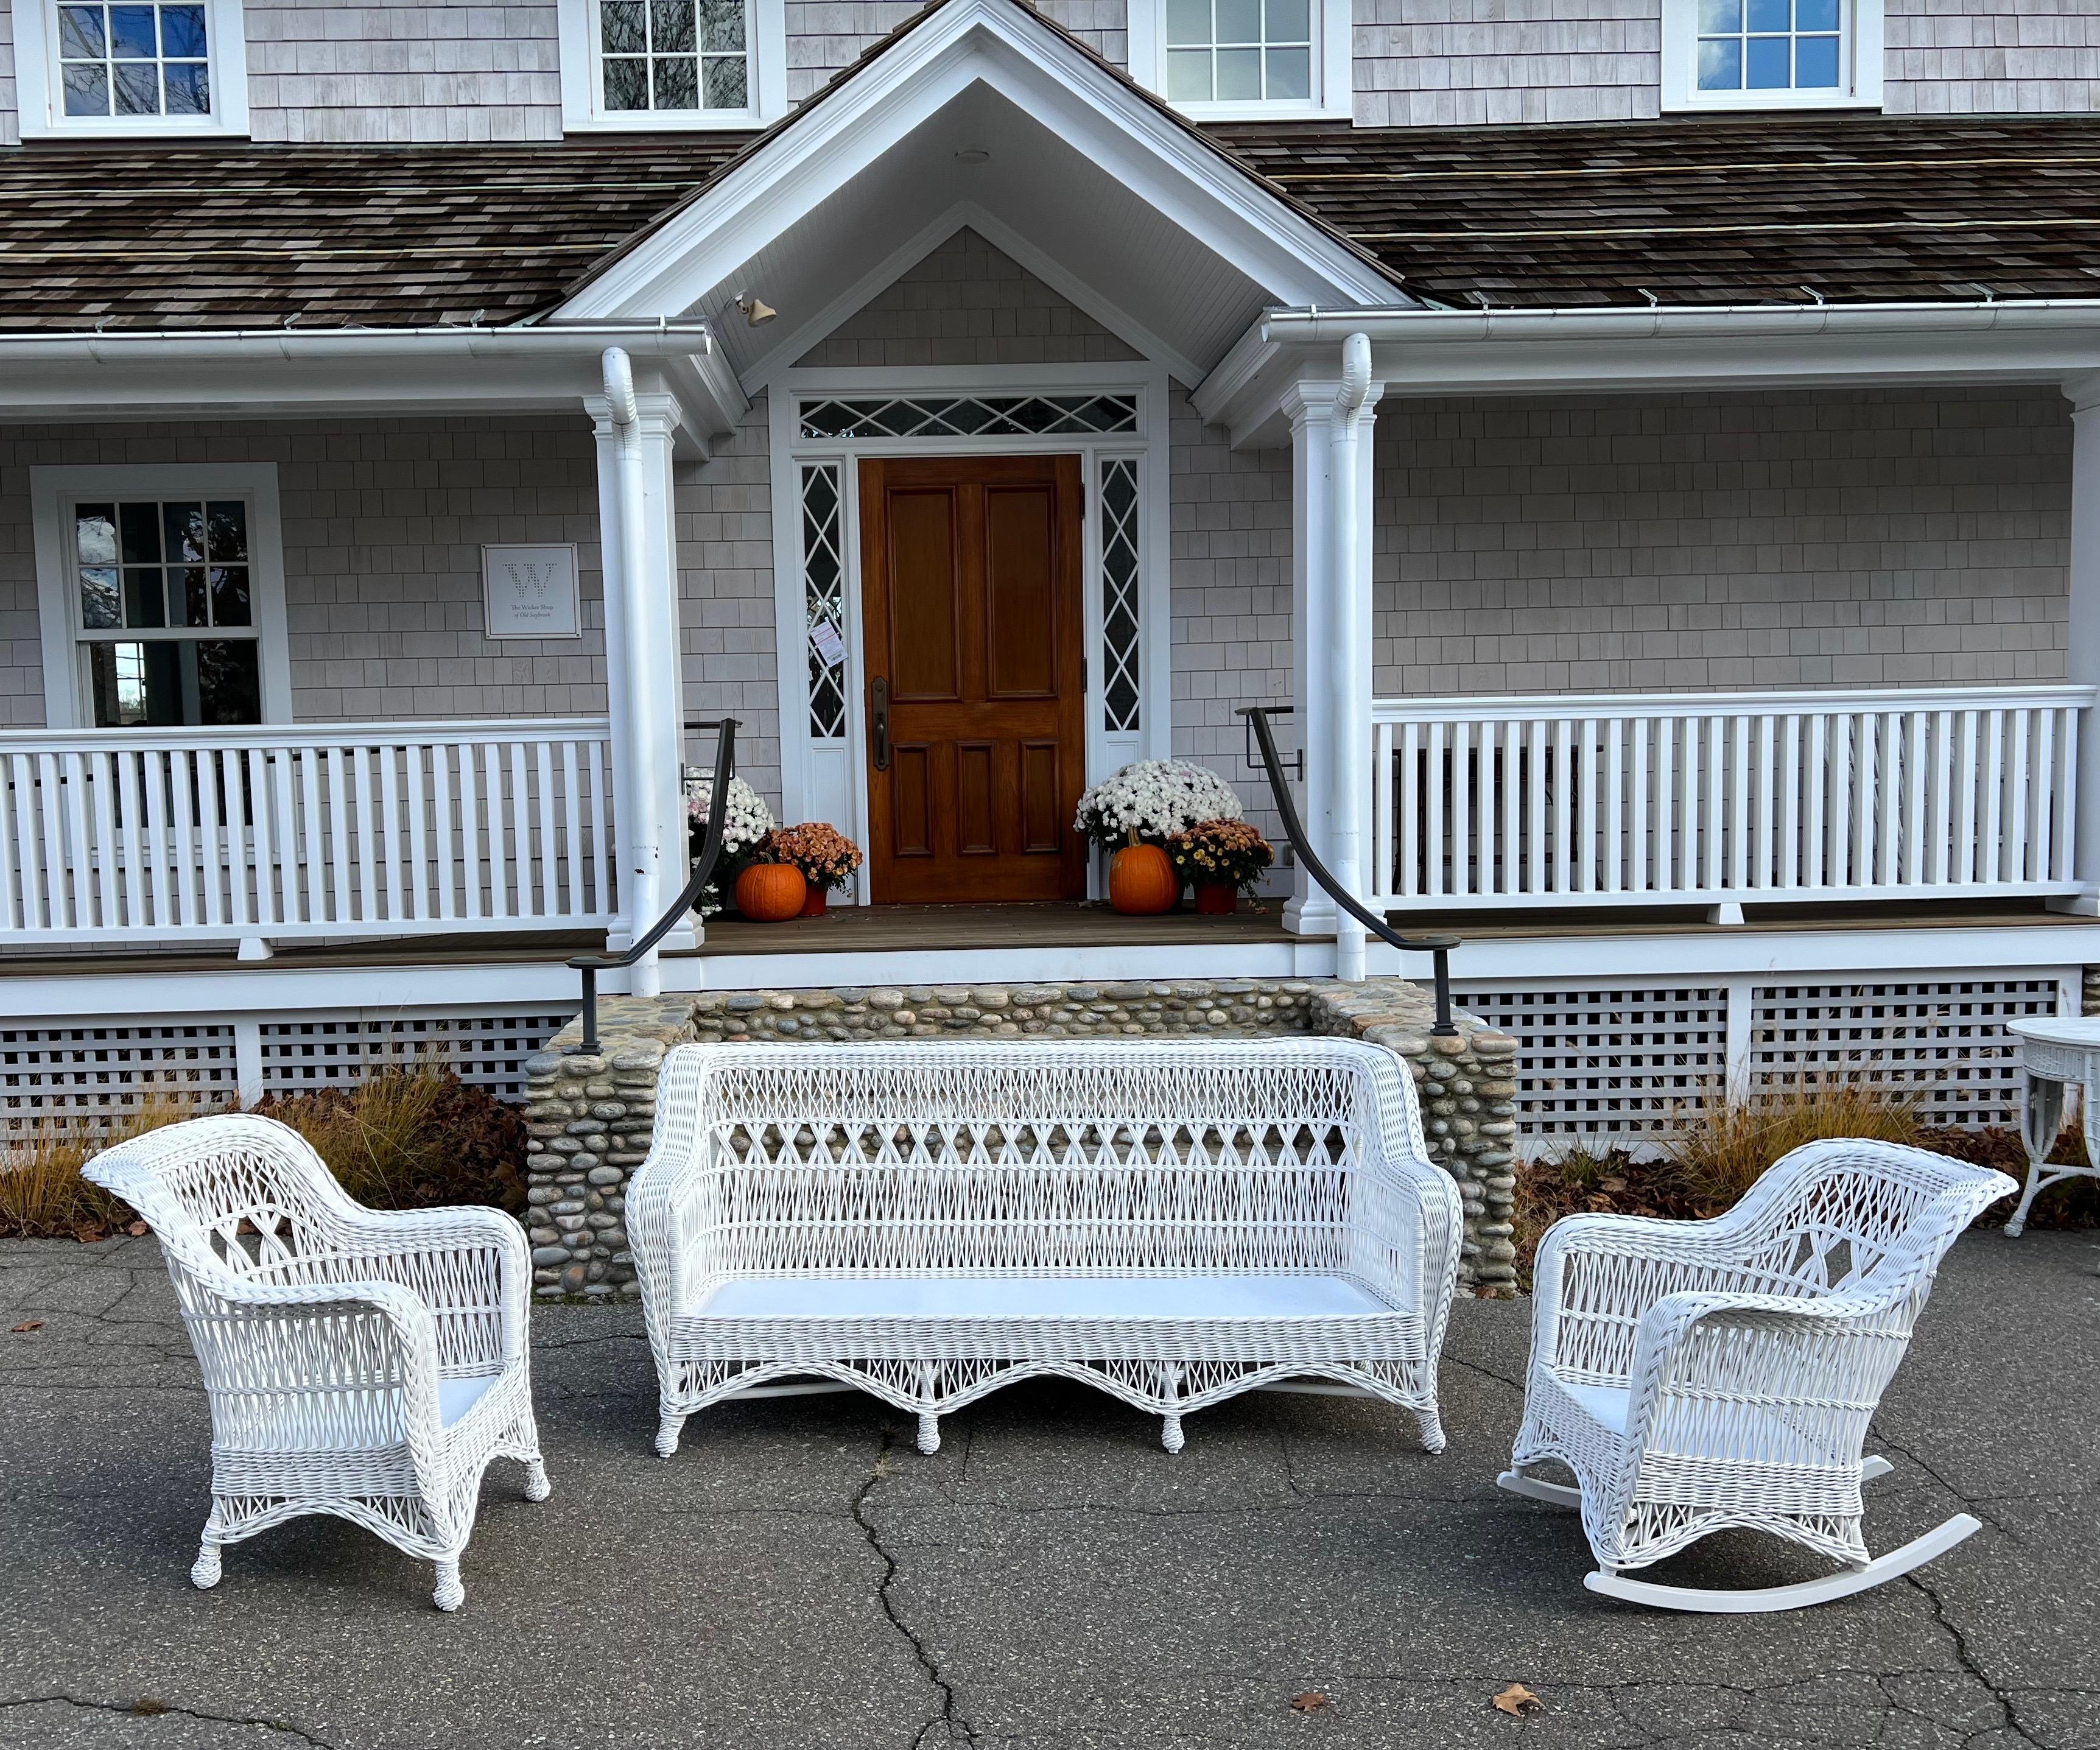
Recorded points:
(878,720)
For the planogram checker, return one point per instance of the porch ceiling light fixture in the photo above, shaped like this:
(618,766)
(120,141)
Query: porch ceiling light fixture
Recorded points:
(973,154)
(756,311)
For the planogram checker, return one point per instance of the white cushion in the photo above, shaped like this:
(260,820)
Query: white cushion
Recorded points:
(455,1397)
(1605,1405)
(1221,1297)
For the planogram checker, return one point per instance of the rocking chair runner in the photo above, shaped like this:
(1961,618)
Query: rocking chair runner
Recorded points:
(1697,1376)
(365,1363)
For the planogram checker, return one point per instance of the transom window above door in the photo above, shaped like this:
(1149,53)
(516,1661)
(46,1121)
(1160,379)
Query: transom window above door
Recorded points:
(1220,60)
(167,67)
(1772,54)
(663,64)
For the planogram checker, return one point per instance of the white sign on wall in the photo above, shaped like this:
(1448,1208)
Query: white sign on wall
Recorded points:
(529,591)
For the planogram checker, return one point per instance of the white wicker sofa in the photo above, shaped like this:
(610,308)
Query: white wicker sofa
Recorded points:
(1174,1222)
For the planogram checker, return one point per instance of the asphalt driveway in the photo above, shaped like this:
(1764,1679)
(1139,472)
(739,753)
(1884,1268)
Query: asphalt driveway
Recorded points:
(800,1576)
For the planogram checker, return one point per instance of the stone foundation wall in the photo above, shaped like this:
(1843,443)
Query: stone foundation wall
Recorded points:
(590,1119)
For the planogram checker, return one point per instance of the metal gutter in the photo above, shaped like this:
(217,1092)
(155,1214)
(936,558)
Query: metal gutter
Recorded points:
(658,338)
(1315,327)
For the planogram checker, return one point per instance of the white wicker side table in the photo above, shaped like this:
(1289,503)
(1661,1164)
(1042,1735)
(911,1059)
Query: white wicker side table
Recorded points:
(2056,1053)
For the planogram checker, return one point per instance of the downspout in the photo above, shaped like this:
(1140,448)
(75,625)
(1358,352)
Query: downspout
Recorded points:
(1350,726)
(641,830)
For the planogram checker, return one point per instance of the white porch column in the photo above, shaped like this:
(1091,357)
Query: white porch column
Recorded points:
(2082,643)
(639,539)
(1331,424)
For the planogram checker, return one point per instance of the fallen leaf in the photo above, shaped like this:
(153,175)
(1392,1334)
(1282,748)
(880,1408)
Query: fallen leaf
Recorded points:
(30,1325)
(1519,1700)
(147,1707)
(1613,1185)
(138,1230)
(1310,1701)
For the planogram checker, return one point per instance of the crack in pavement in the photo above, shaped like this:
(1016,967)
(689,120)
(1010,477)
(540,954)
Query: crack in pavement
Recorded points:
(144,1708)
(1969,1664)
(958,1728)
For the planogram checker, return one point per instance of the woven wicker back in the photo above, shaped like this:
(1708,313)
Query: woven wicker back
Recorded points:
(1066,1158)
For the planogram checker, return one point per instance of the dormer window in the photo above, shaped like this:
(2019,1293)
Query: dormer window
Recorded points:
(673,64)
(168,66)
(1227,60)
(1772,54)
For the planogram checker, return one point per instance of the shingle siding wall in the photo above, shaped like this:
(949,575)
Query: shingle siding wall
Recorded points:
(1453,63)
(1884,537)
(826,36)
(1992,56)
(11,129)
(967,303)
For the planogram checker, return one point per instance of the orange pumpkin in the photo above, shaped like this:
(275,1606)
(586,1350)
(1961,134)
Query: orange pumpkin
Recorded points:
(768,892)
(1142,881)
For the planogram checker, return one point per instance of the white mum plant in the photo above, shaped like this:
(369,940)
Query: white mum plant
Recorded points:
(1153,800)
(748,820)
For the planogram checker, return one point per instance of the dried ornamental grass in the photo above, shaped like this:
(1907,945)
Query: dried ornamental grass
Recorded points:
(1726,1142)
(42,1195)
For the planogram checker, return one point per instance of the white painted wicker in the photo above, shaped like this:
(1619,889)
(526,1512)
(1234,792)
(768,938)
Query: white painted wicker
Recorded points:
(365,1363)
(1172,1221)
(1701,1375)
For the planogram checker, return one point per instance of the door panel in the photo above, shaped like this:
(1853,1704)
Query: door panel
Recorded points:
(970,586)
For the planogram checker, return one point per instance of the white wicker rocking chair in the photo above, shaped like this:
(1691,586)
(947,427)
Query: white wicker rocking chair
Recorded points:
(1697,1376)
(365,1363)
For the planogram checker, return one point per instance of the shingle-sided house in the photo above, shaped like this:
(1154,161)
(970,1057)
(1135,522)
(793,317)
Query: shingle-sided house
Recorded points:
(1647,445)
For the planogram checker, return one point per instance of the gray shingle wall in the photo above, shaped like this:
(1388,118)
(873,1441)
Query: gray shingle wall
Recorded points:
(1881,537)
(965,303)
(10,131)
(1992,56)
(1451,63)
(825,36)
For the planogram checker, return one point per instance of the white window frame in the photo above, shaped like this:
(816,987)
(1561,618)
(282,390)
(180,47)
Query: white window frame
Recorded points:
(1334,44)
(69,704)
(583,85)
(42,94)
(826,778)
(1860,70)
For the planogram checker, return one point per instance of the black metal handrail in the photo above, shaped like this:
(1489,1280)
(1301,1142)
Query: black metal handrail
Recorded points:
(1439,946)
(590,965)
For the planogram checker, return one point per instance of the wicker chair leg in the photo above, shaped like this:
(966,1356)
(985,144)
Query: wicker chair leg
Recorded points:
(537,1488)
(668,1428)
(204,1574)
(1170,1433)
(929,1432)
(450,1595)
(1431,1425)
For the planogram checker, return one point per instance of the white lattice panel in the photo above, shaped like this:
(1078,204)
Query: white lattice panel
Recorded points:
(68,1076)
(1942,1041)
(1608,1062)
(484,1049)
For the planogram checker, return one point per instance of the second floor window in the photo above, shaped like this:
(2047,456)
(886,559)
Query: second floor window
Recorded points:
(1772,54)
(138,66)
(1238,50)
(674,55)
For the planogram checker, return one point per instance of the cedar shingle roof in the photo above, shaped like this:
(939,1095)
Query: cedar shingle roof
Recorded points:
(1704,210)
(1710,208)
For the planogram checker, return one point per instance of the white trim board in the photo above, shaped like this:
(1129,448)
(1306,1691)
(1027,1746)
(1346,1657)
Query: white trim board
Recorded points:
(51,489)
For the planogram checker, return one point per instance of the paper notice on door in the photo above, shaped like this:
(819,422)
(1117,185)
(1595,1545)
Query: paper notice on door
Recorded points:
(830,647)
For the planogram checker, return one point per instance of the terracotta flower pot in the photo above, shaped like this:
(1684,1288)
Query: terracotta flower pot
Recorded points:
(814,906)
(1217,899)
(1142,883)
(770,893)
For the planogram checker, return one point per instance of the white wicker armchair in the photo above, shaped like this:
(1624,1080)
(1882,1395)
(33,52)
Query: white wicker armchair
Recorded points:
(1697,1376)
(1172,1221)
(365,1363)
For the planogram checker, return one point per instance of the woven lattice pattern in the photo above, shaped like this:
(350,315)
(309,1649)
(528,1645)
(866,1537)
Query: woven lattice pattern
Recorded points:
(1697,1376)
(363,1363)
(1251,1212)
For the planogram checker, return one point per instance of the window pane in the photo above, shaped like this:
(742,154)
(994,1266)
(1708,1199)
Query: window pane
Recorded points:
(99,604)
(80,33)
(145,600)
(721,25)
(87,91)
(131,32)
(627,85)
(183,526)
(1815,15)
(138,89)
(1187,75)
(229,596)
(1721,65)
(189,88)
(1718,17)
(141,524)
(622,27)
(1764,64)
(1815,63)
(671,26)
(678,82)
(228,687)
(95,531)
(116,676)
(189,602)
(728,82)
(1290,72)
(1188,21)
(182,33)
(1238,21)
(1239,74)
(1769,15)
(1289,20)
(229,529)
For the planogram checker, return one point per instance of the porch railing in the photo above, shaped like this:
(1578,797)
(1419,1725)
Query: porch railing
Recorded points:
(289,831)
(1720,798)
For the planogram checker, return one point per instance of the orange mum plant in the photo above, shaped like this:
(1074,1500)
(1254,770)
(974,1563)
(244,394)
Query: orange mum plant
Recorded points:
(1221,851)
(827,857)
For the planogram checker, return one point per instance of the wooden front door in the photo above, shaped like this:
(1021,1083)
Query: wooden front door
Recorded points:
(973,631)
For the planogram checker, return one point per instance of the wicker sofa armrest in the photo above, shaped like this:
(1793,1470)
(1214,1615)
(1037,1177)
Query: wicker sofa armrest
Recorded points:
(1412,1219)
(665,1229)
